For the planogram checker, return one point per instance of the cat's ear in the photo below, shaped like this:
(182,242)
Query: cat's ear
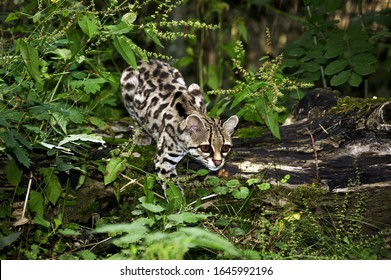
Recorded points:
(194,89)
(195,126)
(230,124)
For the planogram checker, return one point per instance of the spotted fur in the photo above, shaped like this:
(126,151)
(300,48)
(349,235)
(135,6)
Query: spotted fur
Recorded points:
(156,97)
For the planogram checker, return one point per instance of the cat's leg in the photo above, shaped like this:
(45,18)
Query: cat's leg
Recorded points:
(166,160)
(144,139)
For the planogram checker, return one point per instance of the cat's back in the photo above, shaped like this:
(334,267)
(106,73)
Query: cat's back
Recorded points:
(151,79)
(155,94)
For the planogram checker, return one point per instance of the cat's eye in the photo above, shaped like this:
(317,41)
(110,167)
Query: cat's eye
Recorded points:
(205,148)
(225,148)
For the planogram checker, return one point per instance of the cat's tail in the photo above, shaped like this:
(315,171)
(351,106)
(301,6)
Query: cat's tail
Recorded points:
(129,84)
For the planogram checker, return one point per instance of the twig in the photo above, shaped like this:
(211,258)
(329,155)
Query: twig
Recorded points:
(317,178)
(27,195)
(203,198)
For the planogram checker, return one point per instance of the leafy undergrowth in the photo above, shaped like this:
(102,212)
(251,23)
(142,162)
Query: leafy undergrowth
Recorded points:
(218,218)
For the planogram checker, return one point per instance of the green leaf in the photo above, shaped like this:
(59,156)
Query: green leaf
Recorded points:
(212,181)
(87,255)
(31,60)
(291,62)
(99,123)
(252,181)
(241,193)
(91,85)
(360,46)
(175,196)
(124,46)
(131,237)
(202,238)
(69,232)
(40,220)
(11,17)
(311,66)
(148,187)
(335,67)
(89,24)
(355,79)
(13,173)
(115,229)
(12,116)
(120,28)
(233,183)
(62,54)
(129,18)
(220,190)
(17,143)
(297,52)
(153,36)
(264,186)
(187,217)
(363,69)
(115,166)
(340,78)
(53,188)
(22,156)
(152,207)
(7,240)
(271,121)
(239,97)
(334,50)
(363,58)
(82,137)
(36,203)
(60,119)
(202,172)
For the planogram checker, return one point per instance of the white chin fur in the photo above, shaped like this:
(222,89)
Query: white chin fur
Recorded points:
(213,167)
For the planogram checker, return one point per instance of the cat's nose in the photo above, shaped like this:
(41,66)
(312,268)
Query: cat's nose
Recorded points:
(217,162)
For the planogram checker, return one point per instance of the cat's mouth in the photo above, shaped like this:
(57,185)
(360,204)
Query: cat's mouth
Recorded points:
(213,167)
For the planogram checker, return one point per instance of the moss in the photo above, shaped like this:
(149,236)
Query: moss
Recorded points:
(249,132)
(347,104)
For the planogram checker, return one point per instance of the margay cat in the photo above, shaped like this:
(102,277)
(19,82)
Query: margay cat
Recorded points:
(156,97)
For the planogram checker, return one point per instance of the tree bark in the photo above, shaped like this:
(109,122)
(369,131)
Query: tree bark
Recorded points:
(334,145)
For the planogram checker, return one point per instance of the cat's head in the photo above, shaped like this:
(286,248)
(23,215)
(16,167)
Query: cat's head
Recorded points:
(210,140)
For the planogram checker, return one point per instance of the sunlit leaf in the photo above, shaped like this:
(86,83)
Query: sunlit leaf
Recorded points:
(86,255)
(155,208)
(241,193)
(82,137)
(264,186)
(115,166)
(187,217)
(202,238)
(233,183)
(129,18)
(89,24)
(124,47)
(62,54)
(153,36)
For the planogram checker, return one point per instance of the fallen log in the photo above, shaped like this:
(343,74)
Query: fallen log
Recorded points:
(331,141)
